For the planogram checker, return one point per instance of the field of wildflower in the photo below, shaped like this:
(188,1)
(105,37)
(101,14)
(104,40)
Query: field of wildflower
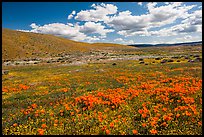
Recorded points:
(103,99)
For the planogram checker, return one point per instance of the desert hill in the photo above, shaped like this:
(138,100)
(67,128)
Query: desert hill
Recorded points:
(18,45)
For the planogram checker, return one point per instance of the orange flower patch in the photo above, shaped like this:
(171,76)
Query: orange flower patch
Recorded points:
(24,87)
(34,106)
(107,131)
(167,118)
(40,131)
(15,124)
(153,131)
(134,131)
(111,125)
(43,125)
(144,124)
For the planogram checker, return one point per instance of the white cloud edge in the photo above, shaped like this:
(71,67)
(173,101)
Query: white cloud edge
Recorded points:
(107,19)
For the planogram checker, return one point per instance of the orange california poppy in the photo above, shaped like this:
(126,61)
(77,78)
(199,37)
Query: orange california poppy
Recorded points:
(144,115)
(43,125)
(153,123)
(34,105)
(164,124)
(119,116)
(56,121)
(42,111)
(178,101)
(134,131)
(164,109)
(107,131)
(41,131)
(153,131)
(55,125)
(188,113)
(144,124)
(140,111)
(177,115)
(103,128)
(52,114)
(200,123)
(111,125)
(158,114)
(61,110)
(15,124)
(72,113)
(155,118)
(176,109)
(167,118)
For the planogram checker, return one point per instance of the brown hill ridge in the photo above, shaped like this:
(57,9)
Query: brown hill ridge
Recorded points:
(18,45)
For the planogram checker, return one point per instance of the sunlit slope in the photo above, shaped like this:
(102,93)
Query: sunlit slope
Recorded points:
(22,45)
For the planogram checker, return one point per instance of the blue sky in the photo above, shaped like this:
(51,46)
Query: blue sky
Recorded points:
(113,22)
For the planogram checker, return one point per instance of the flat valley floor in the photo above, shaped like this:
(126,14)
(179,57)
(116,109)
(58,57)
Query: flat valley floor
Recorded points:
(143,91)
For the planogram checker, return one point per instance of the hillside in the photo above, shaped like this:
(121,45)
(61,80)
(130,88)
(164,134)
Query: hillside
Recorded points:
(18,45)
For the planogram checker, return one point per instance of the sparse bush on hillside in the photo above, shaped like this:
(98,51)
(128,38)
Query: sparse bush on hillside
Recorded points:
(198,59)
(157,58)
(170,60)
(187,57)
(175,57)
(164,61)
(29,43)
(195,56)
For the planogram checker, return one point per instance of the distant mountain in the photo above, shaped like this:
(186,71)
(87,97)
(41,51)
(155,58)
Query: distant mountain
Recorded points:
(175,44)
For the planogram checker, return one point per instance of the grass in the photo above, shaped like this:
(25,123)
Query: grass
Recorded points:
(128,98)
(100,98)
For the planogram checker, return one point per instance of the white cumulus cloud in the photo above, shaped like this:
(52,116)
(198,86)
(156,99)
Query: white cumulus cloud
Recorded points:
(99,13)
(71,15)
(59,29)
(139,3)
(118,39)
(72,31)
(33,25)
(123,41)
(92,27)
(129,25)
(160,21)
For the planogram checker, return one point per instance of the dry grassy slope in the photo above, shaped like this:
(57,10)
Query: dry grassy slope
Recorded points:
(22,45)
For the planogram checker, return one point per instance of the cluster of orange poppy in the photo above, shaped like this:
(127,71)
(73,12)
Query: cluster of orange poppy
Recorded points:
(20,87)
(156,104)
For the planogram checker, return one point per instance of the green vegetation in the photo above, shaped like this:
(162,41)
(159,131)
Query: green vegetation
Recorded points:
(118,97)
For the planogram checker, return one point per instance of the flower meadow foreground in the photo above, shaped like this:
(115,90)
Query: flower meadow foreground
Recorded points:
(125,99)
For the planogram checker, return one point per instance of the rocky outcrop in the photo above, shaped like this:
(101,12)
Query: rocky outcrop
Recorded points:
(5,72)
